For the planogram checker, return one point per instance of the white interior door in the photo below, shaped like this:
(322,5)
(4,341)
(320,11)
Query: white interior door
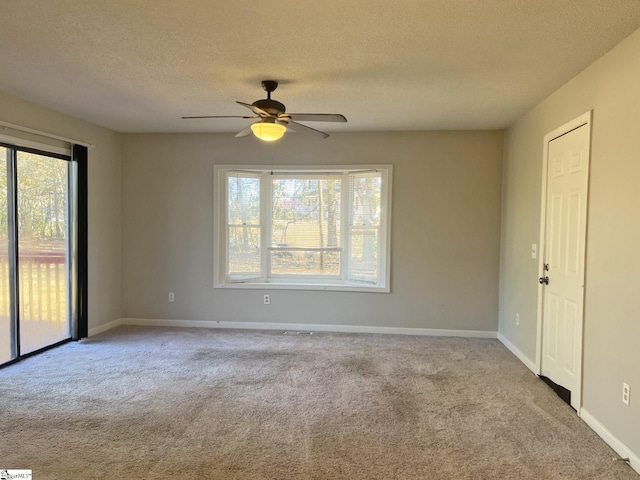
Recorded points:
(565,235)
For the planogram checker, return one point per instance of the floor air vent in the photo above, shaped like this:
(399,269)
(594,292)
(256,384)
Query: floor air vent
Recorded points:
(300,334)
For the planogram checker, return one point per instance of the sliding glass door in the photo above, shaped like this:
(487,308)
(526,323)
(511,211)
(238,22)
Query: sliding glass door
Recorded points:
(43,250)
(7,327)
(34,252)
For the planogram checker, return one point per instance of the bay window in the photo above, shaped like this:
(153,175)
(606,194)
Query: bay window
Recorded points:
(323,228)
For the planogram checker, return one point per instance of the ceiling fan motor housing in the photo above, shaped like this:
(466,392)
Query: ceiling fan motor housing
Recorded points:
(272,107)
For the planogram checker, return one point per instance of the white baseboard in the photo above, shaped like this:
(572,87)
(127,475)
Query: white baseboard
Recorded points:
(307,327)
(521,356)
(619,447)
(104,327)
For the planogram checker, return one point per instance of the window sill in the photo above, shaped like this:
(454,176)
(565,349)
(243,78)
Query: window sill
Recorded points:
(320,287)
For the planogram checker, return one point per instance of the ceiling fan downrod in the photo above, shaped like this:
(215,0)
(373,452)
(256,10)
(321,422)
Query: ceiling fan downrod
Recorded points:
(269,86)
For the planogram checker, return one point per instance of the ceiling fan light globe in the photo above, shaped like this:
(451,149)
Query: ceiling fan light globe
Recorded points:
(268,132)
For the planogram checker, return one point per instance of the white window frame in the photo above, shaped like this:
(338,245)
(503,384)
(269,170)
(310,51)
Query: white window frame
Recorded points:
(300,282)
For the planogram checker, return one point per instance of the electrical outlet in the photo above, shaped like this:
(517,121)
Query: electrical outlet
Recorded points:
(626,393)
(517,319)
(172,297)
(267,300)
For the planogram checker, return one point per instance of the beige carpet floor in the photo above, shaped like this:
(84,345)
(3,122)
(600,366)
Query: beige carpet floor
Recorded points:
(151,403)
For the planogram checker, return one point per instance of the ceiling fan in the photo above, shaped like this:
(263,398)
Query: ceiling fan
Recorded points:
(273,122)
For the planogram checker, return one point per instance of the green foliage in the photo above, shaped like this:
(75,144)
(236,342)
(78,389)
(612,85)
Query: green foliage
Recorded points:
(42,197)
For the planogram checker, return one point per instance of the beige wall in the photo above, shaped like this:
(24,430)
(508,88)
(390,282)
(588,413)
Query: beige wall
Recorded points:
(104,198)
(612,318)
(445,245)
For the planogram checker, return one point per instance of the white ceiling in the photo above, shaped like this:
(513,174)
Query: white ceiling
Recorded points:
(139,65)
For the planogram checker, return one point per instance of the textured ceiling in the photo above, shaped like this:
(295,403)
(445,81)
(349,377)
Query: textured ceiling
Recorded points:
(139,65)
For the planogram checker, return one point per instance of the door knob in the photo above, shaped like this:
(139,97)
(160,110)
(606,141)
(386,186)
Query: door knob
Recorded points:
(544,280)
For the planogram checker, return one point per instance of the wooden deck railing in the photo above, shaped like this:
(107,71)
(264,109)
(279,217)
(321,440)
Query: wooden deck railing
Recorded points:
(43,286)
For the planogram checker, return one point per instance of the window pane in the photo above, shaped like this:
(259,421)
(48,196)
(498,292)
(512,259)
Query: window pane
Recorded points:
(6,336)
(305,263)
(243,200)
(364,254)
(306,214)
(244,250)
(364,194)
(42,250)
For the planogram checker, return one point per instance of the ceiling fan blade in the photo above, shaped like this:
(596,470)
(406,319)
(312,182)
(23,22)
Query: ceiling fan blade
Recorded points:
(256,110)
(317,117)
(244,132)
(300,128)
(218,116)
